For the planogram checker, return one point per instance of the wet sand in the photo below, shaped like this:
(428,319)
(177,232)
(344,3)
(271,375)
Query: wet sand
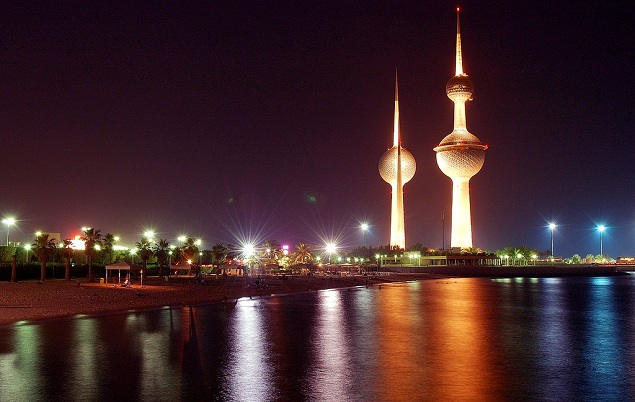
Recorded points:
(30,300)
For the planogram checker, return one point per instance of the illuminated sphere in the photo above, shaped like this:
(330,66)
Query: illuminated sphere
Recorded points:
(459,87)
(388,166)
(460,154)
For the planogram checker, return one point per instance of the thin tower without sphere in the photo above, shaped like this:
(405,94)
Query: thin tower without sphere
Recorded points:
(397,167)
(460,155)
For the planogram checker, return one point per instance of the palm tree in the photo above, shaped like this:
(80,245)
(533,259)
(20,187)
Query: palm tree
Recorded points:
(189,249)
(220,252)
(272,251)
(144,248)
(303,254)
(14,268)
(68,252)
(109,244)
(91,238)
(161,251)
(43,248)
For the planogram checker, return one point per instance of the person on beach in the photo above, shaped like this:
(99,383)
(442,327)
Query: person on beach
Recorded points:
(126,282)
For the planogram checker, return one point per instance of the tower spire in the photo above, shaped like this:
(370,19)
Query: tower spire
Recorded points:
(396,139)
(459,56)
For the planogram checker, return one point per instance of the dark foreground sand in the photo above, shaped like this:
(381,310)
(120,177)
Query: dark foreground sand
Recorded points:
(30,300)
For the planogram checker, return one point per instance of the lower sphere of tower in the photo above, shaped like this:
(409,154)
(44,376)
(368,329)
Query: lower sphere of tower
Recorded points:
(457,163)
(388,166)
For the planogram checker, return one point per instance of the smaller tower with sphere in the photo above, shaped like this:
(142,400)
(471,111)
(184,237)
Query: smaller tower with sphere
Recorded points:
(460,155)
(397,167)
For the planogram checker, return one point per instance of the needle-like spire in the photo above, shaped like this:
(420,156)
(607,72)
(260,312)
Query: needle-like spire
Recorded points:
(459,56)
(396,139)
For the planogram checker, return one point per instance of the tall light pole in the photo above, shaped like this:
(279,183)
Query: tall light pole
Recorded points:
(552,226)
(364,228)
(8,222)
(601,229)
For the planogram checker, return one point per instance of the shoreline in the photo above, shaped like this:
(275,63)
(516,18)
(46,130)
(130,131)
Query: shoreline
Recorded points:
(30,302)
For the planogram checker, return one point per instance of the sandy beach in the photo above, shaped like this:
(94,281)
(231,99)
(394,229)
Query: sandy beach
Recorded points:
(30,300)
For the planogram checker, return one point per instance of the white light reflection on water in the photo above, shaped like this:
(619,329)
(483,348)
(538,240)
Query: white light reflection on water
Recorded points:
(85,359)
(17,369)
(248,372)
(156,367)
(553,335)
(330,372)
(602,348)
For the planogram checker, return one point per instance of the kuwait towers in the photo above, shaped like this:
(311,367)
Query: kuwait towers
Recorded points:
(397,167)
(460,155)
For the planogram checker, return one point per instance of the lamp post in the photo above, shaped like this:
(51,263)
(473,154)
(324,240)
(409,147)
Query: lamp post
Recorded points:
(330,249)
(364,228)
(8,222)
(601,228)
(552,226)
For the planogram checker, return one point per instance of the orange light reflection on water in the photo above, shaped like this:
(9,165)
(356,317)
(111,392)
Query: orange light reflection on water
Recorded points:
(452,315)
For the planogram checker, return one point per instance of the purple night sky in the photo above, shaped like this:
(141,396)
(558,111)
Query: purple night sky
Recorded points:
(267,120)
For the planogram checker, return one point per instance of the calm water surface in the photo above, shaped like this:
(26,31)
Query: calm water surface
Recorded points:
(559,339)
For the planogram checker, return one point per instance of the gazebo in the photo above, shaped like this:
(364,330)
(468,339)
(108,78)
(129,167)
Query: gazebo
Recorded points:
(119,266)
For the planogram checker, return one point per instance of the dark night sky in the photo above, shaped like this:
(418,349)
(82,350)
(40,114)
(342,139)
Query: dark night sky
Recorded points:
(268,119)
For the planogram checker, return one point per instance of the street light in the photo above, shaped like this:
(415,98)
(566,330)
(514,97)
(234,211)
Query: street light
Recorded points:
(8,222)
(601,228)
(364,228)
(552,226)
(330,249)
(27,247)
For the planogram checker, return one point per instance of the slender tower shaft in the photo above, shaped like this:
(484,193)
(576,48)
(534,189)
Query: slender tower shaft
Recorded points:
(397,167)
(397,220)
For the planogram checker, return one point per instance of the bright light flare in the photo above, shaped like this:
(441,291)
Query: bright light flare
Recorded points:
(248,250)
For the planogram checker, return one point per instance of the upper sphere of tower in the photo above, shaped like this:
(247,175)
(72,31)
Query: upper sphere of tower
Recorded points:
(459,87)
(388,166)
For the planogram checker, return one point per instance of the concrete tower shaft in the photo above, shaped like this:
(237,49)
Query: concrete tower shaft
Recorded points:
(397,167)
(460,155)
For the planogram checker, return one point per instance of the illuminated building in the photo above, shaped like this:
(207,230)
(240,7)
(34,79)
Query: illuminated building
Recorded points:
(397,167)
(460,155)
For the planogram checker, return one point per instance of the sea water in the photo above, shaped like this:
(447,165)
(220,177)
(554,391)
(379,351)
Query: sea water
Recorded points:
(473,339)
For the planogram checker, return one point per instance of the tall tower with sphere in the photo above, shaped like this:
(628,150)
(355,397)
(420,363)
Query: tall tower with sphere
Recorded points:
(460,155)
(397,167)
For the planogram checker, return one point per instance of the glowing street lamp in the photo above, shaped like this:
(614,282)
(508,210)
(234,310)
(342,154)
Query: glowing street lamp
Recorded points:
(149,234)
(364,228)
(8,222)
(182,239)
(601,229)
(552,226)
(27,247)
(330,249)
